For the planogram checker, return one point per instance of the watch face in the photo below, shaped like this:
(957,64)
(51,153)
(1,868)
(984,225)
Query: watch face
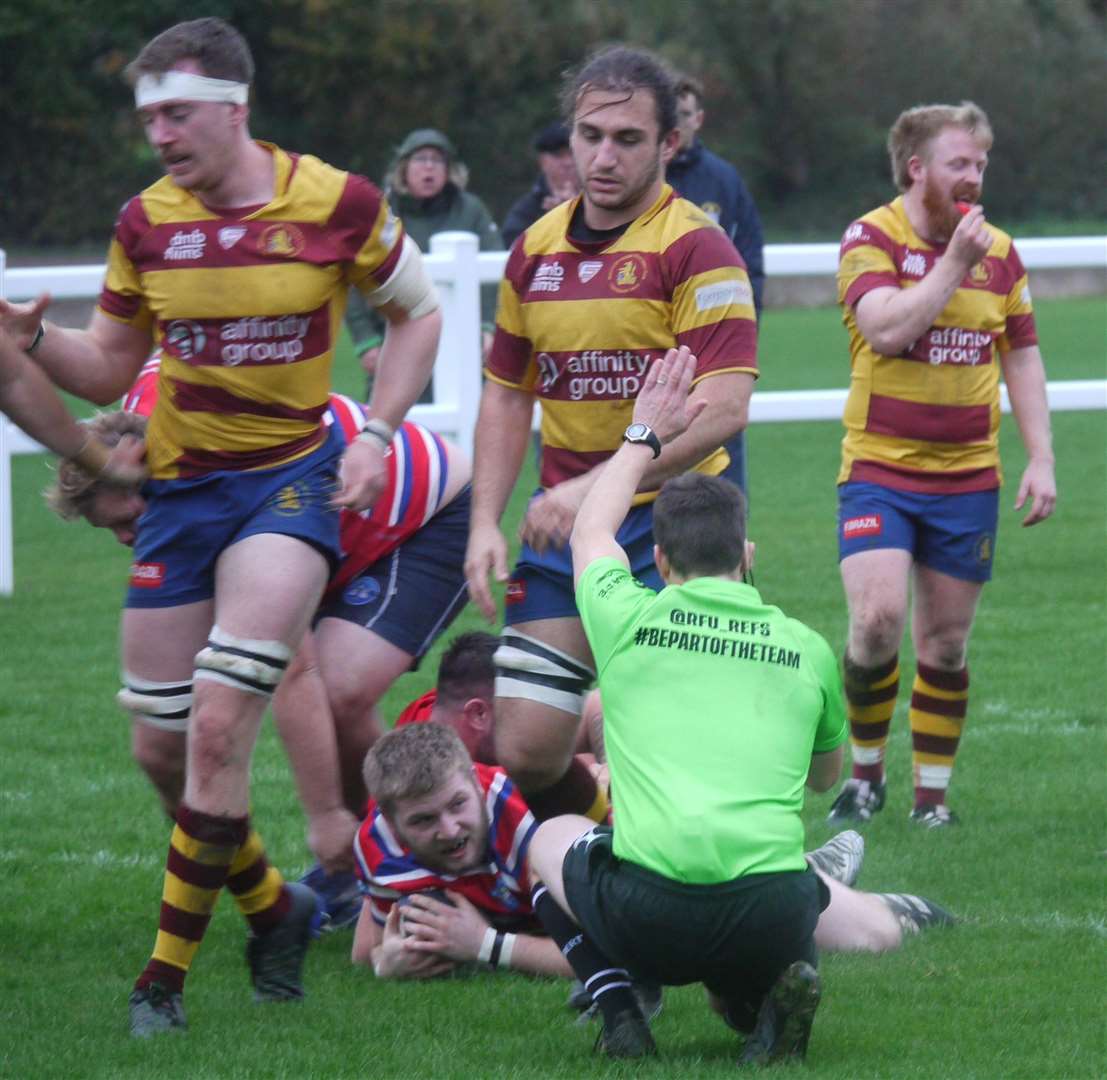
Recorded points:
(636,431)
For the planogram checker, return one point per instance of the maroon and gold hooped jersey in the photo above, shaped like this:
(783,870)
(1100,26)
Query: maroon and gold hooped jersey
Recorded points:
(246,307)
(579,324)
(928,419)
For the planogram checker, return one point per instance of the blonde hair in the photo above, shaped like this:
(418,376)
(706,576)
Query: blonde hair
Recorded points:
(915,128)
(71,494)
(412,761)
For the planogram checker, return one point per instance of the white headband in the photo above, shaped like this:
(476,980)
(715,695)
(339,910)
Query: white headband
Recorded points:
(185,86)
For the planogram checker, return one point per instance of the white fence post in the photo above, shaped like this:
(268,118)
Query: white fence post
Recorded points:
(453,268)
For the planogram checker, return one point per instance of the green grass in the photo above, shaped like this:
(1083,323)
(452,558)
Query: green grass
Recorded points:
(1015,991)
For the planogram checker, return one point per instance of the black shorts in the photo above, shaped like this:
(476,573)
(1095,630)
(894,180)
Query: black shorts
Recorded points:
(735,937)
(411,595)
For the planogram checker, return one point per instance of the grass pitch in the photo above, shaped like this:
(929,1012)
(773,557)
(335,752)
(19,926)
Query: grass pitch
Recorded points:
(1015,991)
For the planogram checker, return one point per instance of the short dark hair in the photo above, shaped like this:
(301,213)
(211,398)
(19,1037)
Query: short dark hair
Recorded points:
(621,69)
(466,669)
(688,84)
(699,522)
(214,44)
(411,761)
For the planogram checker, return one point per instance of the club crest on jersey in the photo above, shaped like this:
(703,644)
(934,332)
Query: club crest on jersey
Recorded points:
(282,240)
(588,269)
(230,235)
(628,273)
(501,891)
(865,525)
(147,575)
(361,592)
(981,274)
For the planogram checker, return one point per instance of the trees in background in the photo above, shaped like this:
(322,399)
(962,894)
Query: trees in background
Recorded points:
(800,93)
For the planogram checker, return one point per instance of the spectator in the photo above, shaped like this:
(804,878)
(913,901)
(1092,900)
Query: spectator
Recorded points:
(717,188)
(426,187)
(557,181)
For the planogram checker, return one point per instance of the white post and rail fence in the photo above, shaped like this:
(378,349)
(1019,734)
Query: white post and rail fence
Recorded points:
(458,268)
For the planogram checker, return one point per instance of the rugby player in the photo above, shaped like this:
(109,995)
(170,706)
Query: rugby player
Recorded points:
(936,302)
(237,262)
(592,293)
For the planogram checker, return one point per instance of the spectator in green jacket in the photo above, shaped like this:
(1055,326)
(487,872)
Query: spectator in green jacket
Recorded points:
(426,187)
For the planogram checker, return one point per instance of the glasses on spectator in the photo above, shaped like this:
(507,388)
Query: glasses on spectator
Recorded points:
(428,157)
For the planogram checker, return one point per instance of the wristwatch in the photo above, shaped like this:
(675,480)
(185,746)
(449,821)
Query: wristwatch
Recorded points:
(643,433)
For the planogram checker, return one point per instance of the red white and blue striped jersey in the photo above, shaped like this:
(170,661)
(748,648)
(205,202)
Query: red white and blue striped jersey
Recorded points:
(499,887)
(417,475)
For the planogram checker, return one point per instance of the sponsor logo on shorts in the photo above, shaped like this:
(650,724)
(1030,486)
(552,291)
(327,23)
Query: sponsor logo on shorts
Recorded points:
(985,548)
(588,269)
(230,235)
(283,240)
(147,575)
(866,525)
(628,273)
(185,245)
(516,592)
(361,592)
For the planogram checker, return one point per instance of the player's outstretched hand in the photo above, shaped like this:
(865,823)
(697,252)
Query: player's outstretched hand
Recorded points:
(662,402)
(362,476)
(22,321)
(486,554)
(1040,487)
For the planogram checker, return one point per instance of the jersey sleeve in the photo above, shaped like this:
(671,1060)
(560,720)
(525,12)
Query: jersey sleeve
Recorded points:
(609,599)
(833,728)
(375,238)
(121,297)
(510,358)
(1019,330)
(712,306)
(866,261)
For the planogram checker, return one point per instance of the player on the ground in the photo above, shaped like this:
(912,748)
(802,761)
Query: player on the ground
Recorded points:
(463,700)
(593,292)
(936,301)
(237,262)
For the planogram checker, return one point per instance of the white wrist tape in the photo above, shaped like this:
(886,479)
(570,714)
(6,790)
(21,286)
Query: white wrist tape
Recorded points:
(484,955)
(185,86)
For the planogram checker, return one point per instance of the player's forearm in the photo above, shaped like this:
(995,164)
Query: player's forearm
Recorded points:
(29,399)
(1024,374)
(75,361)
(499,446)
(539,956)
(892,320)
(607,502)
(404,366)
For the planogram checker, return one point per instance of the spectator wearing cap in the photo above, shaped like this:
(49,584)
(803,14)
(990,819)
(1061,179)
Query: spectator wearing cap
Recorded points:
(426,186)
(557,181)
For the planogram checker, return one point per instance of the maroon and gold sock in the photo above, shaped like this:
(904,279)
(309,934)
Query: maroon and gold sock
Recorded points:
(939,704)
(257,887)
(870,701)
(575,793)
(201,851)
